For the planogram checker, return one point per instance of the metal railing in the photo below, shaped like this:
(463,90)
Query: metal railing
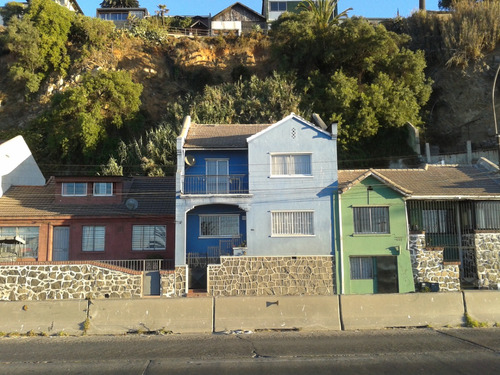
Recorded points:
(216,184)
(142,264)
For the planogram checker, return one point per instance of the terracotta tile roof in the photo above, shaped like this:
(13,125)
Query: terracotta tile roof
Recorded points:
(432,181)
(221,135)
(154,196)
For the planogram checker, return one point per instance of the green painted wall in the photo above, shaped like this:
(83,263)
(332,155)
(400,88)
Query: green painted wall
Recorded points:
(372,245)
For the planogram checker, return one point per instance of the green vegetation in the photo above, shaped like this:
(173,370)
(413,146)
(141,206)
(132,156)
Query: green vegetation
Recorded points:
(472,323)
(103,111)
(88,117)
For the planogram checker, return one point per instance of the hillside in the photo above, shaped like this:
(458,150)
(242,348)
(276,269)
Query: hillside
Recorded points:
(89,94)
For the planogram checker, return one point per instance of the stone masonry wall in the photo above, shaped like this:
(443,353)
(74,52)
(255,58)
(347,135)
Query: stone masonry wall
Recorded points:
(428,265)
(487,248)
(262,276)
(173,283)
(58,280)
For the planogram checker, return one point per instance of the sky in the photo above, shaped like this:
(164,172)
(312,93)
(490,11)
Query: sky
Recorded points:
(365,8)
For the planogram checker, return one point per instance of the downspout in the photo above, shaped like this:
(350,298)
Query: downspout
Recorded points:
(341,247)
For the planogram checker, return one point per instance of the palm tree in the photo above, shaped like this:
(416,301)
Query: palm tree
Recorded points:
(323,12)
(120,4)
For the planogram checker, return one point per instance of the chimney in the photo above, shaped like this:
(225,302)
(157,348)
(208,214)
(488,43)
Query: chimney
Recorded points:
(421,4)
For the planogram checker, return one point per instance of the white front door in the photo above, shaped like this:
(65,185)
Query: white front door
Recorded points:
(60,243)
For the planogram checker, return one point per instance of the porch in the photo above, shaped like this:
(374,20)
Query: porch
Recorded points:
(456,229)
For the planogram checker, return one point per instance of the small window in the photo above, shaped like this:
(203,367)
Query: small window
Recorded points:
(219,225)
(93,238)
(361,268)
(103,188)
(74,189)
(292,223)
(371,220)
(278,6)
(291,164)
(149,237)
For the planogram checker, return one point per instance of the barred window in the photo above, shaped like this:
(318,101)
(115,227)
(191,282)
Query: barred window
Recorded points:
(93,238)
(149,237)
(292,223)
(219,225)
(371,220)
(361,268)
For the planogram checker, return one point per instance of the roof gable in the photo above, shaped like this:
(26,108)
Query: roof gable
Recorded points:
(350,178)
(284,120)
(242,9)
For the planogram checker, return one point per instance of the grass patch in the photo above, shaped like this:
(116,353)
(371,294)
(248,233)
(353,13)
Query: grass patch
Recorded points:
(473,323)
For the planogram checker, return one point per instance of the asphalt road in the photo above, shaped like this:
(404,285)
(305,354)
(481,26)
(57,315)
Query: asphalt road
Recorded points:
(395,351)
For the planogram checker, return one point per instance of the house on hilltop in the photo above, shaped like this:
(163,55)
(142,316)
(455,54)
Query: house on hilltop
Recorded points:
(238,18)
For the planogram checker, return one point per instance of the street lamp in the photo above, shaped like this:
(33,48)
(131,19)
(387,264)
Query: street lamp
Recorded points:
(497,136)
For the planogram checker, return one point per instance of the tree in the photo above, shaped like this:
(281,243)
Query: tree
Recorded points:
(355,73)
(120,4)
(12,9)
(323,12)
(38,43)
(161,12)
(90,117)
(246,102)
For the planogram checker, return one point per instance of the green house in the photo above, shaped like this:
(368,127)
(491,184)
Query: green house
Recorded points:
(372,254)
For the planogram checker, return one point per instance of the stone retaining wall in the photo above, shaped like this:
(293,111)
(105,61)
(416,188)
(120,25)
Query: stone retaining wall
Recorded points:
(262,276)
(487,251)
(173,283)
(428,265)
(63,280)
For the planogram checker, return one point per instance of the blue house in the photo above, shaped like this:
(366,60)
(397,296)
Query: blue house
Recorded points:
(252,190)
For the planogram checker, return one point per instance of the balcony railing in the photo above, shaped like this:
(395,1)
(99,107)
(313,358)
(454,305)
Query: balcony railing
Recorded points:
(216,184)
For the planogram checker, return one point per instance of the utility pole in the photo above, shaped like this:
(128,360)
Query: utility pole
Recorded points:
(497,136)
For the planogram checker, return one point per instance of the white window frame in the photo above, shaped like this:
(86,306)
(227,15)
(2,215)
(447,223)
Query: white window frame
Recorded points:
(289,164)
(91,243)
(159,235)
(220,225)
(361,268)
(106,186)
(66,186)
(289,223)
(372,224)
(217,182)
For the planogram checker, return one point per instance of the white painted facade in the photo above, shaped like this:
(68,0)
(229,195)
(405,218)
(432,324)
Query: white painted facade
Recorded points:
(17,165)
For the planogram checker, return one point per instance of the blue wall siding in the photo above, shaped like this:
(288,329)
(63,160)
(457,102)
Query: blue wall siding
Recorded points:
(238,161)
(195,244)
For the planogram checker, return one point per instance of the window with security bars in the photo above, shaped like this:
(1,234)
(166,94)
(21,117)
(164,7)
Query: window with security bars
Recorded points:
(219,225)
(74,188)
(291,165)
(361,268)
(292,223)
(93,238)
(149,237)
(487,215)
(371,220)
(436,221)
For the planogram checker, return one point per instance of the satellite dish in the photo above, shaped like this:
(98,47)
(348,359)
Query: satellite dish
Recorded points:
(190,160)
(131,204)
